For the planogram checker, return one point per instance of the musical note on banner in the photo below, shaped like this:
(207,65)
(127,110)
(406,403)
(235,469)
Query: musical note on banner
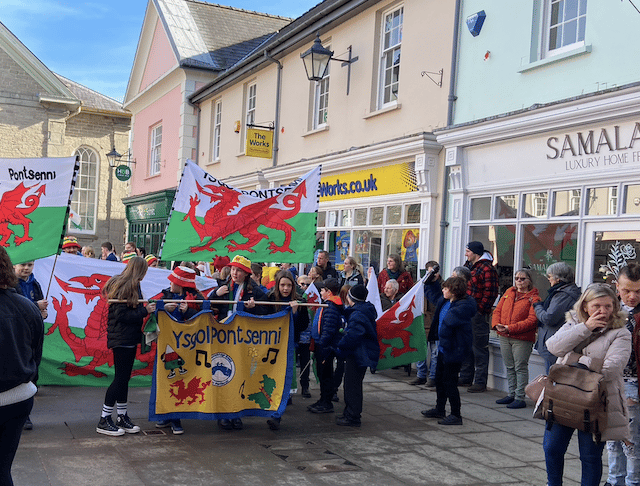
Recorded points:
(241,390)
(206,358)
(275,357)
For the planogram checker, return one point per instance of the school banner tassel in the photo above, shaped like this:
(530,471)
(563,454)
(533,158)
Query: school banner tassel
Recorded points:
(208,370)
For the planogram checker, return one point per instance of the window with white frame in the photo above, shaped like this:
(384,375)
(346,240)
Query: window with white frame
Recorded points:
(217,127)
(564,27)
(390,56)
(321,101)
(155,150)
(85,194)
(250,119)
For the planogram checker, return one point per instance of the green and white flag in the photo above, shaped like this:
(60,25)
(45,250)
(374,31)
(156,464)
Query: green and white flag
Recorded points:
(401,331)
(34,201)
(210,218)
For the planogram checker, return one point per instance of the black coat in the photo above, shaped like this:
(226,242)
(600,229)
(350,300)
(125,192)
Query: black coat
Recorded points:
(330,324)
(360,339)
(455,336)
(125,324)
(21,335)
(300,318)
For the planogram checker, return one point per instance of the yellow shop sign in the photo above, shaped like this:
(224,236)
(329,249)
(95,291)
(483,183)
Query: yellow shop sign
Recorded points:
(391,179)
(259,143)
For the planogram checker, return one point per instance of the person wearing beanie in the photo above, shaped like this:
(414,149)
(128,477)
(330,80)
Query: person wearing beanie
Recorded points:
(152,260)
(325,339)
(483,287)
(70,245)
(359,348)
(241,289)
(127,255)
(183,288)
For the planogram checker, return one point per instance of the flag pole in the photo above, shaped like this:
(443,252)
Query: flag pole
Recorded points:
(51,277)
(179,301)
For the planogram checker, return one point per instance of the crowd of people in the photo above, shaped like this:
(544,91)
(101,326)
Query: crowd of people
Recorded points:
(595,329)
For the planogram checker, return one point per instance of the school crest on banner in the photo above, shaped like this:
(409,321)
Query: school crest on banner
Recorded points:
(209,370)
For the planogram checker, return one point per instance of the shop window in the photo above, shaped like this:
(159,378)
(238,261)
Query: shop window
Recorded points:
(632,199)
(342,241)
(480,208)
(155,152)
(394,214)
(566,203)
(535,205)
(322,219)
(404,242)
(346,217)
(375,215)
(412,214)
(564,25)
(612,251)
(499,240)
(360,217)
(390,56)
(544,244)
(506,206)
(367,248)
(85,194)
(332,219)
(148,235)
(602,201)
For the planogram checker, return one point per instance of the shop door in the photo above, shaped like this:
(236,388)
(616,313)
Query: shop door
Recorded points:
(608,247)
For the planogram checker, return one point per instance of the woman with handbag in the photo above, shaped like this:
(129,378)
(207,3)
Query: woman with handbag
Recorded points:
(594,337)
(515,322)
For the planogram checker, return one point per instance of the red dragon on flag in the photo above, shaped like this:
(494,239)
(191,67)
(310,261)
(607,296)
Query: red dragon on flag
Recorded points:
(14,208)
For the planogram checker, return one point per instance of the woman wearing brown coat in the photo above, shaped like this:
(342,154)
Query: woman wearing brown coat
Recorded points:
(515,322)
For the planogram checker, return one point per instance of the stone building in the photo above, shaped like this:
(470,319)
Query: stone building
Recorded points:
(43,114)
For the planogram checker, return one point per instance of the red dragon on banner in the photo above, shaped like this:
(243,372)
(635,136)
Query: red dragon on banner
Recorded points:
(14,211)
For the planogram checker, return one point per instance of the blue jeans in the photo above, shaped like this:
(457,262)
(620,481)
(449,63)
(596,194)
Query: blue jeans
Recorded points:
(624,463)
(555,443)
(424,369)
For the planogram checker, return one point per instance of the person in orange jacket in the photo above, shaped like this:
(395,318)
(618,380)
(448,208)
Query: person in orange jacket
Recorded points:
(515,322)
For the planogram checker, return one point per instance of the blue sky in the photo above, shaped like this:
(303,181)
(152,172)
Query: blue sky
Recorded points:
(93,43)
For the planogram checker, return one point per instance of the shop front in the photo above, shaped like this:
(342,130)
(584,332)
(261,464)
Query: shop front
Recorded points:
(147,217)
(570,193)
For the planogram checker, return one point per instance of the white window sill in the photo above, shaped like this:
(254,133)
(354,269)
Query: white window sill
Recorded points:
(153,176)
(322,128)
(386,109)
(213,162)
(560,57)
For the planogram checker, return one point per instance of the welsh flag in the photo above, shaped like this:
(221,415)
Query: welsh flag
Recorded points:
(401,331)
(34,204)
(210,218)
(75,349)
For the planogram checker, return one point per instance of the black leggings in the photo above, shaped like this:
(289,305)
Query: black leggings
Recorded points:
(12,419)
(123,359)
(447,386)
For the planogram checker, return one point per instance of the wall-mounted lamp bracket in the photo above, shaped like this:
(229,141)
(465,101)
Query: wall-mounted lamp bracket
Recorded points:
(439,73)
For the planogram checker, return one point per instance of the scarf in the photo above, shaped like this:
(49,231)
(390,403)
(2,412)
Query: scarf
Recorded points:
(552,291)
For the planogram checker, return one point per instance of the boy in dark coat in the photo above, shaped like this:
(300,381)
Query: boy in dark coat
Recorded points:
(360,349)
(453,318)
(326,337)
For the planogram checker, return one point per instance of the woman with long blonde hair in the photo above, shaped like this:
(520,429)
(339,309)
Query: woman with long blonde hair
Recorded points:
(124,332)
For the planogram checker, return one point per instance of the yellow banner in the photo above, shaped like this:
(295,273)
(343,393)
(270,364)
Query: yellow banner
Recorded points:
(259,143)
(209,370)
(391,179)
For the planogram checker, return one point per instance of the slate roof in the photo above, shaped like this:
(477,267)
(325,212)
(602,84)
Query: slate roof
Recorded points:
(214,36)
(92,99)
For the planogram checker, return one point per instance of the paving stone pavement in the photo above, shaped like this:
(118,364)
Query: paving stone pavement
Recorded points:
(396,445)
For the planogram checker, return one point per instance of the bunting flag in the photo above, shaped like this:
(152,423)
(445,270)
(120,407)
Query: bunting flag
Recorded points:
(209,370)
(401,331)
(34,202)
(75,344)
(210,218)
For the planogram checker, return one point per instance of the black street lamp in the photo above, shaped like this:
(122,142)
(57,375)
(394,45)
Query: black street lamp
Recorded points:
(316,60)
